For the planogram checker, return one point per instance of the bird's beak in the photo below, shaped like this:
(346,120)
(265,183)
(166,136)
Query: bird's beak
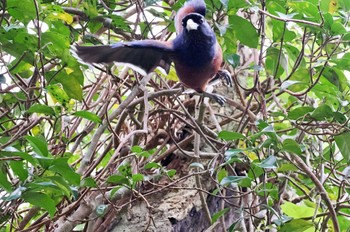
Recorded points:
(191,25)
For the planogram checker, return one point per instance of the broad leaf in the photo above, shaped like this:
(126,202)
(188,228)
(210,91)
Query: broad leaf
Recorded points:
(41,200)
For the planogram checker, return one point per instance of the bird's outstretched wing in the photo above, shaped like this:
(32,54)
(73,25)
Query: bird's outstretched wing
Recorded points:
(143,56)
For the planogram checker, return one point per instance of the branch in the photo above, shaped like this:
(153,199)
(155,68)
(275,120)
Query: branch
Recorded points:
(107,22)
(319,186)
(290,20)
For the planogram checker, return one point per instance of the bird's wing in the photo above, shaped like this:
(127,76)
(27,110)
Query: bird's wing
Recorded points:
(143,56)
(191,6)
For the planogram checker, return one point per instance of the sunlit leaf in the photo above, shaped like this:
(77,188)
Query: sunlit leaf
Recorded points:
(297,225)
(151,165)
(297,211)
(24,11)
(222,173)
(88,115)
(243,31)
(230,135)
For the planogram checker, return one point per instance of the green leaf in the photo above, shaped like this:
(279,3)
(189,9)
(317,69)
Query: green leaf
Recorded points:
(292,146)
(305,9)
(222,173)
(23,10)
(297,225)
(269,189)
(58,94)
(38,144)
(288,83)
(233,59)
(62,184)
(151,165)
(4,183)
(61,166)
(89,182)
(232,180)
(299,112)
(118,180)
(235,4)
(287,167)
(335,77)
(297,211)
(219,214)
(41,200)
(11,151)
(120,22)
(171,173)
(234,153)
(275,61)
(269,162)
(243,30)
(42,109)
(229,135)
(18,169)
(72,87)
(339,117)
(343,144)
(88,115)
(322,113)
(136,149)
(137,178)
(337,28)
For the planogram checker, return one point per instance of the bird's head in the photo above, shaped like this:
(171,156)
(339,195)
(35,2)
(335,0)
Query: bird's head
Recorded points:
(195,22)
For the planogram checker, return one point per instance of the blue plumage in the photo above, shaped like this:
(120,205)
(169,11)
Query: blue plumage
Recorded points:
(195,51)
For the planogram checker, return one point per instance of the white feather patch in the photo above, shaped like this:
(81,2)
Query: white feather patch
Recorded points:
(191,25)
(133,67)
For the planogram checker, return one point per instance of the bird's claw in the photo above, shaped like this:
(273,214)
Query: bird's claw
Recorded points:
(219,99)
(226,77)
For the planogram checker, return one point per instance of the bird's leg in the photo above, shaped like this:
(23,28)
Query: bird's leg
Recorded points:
(223,75)
(218,98)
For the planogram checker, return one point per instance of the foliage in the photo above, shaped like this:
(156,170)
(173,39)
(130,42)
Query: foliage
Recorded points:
(68,131)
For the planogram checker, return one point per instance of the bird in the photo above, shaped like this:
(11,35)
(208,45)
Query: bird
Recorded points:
(195,52)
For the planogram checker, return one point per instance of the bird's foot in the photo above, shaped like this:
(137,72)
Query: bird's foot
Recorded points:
(225,76)
(218,98)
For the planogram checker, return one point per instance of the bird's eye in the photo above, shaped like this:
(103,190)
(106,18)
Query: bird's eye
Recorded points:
(201,20)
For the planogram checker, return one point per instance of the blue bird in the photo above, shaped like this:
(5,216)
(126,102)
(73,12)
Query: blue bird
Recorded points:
(196,54)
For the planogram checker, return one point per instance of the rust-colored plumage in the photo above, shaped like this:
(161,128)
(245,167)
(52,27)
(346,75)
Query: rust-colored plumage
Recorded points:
(196,54)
